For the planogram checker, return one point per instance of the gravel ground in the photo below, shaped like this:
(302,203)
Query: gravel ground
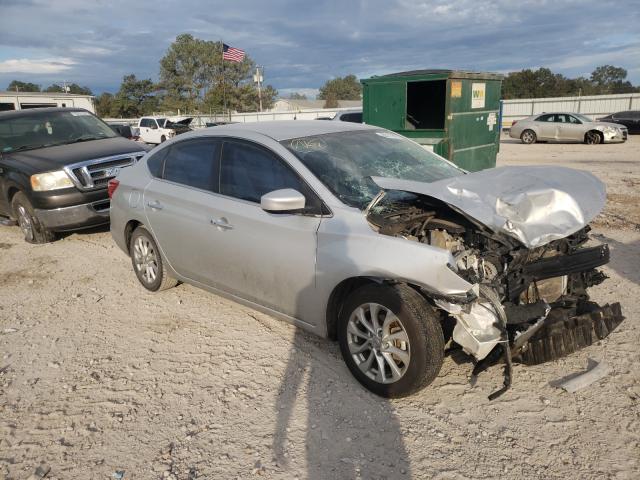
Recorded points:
(98,376)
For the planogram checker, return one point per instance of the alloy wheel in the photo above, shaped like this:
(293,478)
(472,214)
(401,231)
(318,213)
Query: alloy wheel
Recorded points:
(378,343)
(25,223)
(593,138)
(528,137)
(145,259)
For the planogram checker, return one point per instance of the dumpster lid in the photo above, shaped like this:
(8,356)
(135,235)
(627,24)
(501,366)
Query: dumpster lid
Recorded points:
(450,73)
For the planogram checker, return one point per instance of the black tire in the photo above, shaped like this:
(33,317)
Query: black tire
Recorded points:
(163,139)
(33,230)
(151,260)
(528,137)
(421,326)
(593,137)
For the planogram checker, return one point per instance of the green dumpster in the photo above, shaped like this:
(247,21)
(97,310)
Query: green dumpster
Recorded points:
(454,113)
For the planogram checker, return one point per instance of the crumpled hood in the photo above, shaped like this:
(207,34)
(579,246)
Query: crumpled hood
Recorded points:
(535,205)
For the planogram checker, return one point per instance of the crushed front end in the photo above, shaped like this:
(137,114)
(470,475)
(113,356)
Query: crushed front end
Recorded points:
(531,304)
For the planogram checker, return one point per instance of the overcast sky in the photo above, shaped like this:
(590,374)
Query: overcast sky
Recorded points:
(303,43)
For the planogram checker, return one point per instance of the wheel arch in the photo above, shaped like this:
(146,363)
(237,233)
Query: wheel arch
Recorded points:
(342,291)
(128,232)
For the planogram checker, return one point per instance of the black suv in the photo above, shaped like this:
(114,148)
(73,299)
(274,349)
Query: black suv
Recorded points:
(55,164)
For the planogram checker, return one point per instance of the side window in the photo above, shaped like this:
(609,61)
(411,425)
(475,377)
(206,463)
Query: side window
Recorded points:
(193,163)
(352,117)
(545,118)
(144,122)
(248,172)
(155,163)
(574,120)
(635,115)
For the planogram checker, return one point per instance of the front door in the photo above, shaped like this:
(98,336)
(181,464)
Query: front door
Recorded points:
(268,258)
(569,128)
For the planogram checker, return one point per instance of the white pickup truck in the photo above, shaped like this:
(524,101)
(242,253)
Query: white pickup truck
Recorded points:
(158,129)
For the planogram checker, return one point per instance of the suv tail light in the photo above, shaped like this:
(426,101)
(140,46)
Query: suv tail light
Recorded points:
(111,187)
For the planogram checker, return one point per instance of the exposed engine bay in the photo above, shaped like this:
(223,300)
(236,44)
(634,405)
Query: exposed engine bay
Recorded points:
(530,305)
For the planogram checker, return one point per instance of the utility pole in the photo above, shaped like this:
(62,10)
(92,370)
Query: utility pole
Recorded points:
(258,78)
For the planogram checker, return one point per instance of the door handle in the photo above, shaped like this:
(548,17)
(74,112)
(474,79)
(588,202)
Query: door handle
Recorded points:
(221,223)
(154,205)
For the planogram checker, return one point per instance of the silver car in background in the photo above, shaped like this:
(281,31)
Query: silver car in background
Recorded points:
(566,127)
(359,234)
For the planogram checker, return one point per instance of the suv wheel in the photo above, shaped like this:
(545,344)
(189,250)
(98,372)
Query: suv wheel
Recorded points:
(33,230)
(390,339)
(163,139)
(147,262)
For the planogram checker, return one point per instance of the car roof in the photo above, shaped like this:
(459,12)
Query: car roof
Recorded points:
(31,111)
(284,129)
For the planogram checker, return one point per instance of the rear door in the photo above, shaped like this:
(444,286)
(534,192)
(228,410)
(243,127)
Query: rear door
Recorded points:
(180,202)
(546,126)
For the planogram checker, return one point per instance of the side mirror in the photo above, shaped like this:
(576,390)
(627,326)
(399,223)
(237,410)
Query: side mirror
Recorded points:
(285,200)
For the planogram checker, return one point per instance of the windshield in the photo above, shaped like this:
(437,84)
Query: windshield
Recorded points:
(44,129)
(345,161)
(582,118)
(160,122)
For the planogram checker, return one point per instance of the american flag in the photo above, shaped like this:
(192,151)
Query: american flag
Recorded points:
(232,54)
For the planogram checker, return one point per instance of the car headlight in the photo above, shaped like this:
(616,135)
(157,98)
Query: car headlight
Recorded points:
(43,182)
(610,130)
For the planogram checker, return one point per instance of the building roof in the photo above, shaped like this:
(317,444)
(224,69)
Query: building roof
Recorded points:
(44,94)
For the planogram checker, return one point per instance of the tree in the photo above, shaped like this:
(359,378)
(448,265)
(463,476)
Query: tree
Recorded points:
(71,88)
(297,96)
(104,105)
(340,88)
(134,98)
(194,77)
(610,79)
(18,86)
(544,83)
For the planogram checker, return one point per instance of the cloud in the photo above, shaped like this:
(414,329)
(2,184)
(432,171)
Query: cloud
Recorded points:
(303,43)
(40,66)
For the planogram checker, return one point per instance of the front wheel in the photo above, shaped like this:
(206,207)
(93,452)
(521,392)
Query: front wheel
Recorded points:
(32,229)
(147,262)
(390,339)
(593,138)
(163,139)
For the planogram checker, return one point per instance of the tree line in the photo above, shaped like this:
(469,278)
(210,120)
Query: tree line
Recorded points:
(193,79)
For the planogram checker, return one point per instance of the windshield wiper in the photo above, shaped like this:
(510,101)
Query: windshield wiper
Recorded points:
(85,138)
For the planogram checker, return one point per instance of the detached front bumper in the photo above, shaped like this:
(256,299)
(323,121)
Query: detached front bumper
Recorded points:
(75,217)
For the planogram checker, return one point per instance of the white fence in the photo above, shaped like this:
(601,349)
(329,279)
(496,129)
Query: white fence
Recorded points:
(593,106)
(200,121)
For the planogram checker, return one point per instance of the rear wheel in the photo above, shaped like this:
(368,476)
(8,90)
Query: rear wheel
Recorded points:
(32,229)
(147,262)
(593,137)
(528,137)
(390,339)
(163,139)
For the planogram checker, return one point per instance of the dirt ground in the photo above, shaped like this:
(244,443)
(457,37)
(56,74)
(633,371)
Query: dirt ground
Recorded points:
(98,377)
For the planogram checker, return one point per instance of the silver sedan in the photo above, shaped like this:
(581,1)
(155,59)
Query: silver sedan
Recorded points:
(566,127)
(358,234)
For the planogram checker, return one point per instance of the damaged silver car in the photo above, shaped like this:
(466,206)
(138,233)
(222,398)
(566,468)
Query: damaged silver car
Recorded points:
(358,234)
